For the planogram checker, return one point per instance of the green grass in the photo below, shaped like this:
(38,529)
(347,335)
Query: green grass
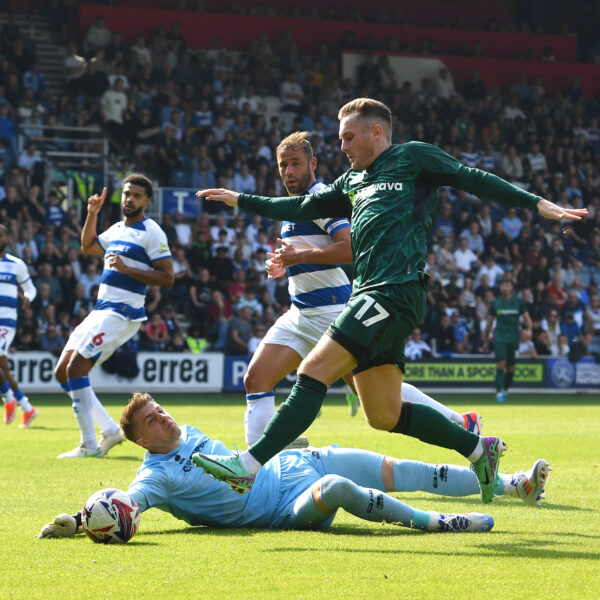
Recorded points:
(553,552)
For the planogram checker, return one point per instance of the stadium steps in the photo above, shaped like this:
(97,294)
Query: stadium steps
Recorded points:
(49,54)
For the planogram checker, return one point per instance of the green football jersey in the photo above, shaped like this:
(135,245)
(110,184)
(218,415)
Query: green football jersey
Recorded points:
(507,314)
(391,204)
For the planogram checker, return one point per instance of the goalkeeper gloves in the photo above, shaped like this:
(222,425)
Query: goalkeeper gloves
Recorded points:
(64,525)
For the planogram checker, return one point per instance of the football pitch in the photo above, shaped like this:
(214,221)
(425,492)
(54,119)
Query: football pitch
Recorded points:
(548,552)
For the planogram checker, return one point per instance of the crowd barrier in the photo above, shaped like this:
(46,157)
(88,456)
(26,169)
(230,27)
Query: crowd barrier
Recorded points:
(215,372)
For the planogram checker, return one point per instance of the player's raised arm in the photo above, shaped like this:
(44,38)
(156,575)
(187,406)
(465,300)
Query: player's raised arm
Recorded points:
(89,239)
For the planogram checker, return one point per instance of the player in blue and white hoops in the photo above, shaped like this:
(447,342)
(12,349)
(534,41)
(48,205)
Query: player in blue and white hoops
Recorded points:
(296,489)
(310,255)
(319,288)
(136,255)
(13,275)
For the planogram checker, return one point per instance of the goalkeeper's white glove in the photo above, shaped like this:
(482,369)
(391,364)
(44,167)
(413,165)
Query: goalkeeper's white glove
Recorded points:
(64,525)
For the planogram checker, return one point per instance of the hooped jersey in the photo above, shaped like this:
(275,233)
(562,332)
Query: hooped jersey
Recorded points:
(13,273)
(316,285)
(139,246)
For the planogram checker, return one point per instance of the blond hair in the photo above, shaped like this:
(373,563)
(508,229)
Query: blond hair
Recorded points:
(299,140)
(137,401)
(368,108)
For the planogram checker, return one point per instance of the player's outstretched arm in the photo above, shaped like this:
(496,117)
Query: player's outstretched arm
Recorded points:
(63,525)
(229,197)
(553,211)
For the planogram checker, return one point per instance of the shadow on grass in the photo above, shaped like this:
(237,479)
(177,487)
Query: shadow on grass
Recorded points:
(129,458)
(534,548)
(247,532)
(473,501)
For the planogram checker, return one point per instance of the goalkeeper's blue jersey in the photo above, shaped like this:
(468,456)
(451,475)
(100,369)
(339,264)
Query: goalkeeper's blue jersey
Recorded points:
(171,482)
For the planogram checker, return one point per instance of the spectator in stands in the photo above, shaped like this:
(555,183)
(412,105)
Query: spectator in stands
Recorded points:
(536,159)
(592,315)
(511,165)
(183,276)
(46,276)
(460,333)
(474,238)
(157,335)
(52,339)
(557,290)
(33,79)
(94,82)
(512,224)
(444,85)
(291,93)
(576,306)
(526,347)
(570,328)
(240,331)
(97,37)
(445,262)
(244,181)
(183,230)
(473,88)
(114,104)
(444,336)
(220,315)
(75,67)
(498,244)
(561,346)
(416,347)
(221,224)
(489,270)
(464,257)
(90,277)
(257,336)
(443,226)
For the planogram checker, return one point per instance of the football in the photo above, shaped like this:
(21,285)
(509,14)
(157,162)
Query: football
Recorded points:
(110,516)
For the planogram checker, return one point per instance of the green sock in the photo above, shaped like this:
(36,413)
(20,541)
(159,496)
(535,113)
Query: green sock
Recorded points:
(294,417)
(500,377)
(430,426)
(508,379)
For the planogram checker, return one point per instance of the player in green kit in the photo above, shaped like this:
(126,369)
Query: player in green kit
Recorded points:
(390,193)
(507,310)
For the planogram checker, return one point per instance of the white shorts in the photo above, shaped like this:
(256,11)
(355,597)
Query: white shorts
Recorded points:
(302,329)
(7,335)
(100,334)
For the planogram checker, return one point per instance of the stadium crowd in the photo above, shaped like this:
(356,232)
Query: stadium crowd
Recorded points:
(203,118)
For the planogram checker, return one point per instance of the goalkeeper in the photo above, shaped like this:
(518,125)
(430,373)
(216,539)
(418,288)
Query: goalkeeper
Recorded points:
(297,489)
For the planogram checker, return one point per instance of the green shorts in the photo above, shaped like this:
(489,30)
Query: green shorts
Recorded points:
(375,324)
(506,352)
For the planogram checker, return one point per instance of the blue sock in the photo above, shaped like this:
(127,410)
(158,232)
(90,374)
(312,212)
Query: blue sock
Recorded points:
(369,504)
(66,387)
(19,395)
(444,480)
(4,387)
